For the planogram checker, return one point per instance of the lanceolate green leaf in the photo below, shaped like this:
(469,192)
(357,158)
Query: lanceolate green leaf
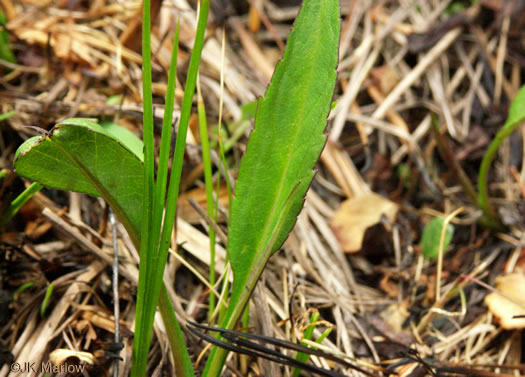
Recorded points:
(79,155)
(283,149)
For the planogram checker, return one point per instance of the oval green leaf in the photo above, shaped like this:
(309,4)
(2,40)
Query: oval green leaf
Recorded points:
(79,155)
(432,237)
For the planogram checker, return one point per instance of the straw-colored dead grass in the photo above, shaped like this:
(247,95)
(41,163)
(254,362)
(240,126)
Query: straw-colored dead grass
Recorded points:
(400,61)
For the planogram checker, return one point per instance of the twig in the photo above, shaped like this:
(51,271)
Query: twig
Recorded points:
(441,247)
(116,303)
(446,154)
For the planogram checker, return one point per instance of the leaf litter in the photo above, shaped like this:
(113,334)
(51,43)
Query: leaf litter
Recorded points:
(399,64)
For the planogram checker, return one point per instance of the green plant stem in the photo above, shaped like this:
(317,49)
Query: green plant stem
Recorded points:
(219,133)
(489,219)
(154,271)
(226,282)
(217,356)
(22,199)
(181,358)
(47,297)
(208,181)
(245,321)
(242,126)
(5,50)
(308,334)
(483,196)
(7,115)
(143,327)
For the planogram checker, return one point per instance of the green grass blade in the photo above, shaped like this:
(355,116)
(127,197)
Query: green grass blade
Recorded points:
(142,336)
(282,151)
(208,182)
(308,334)
(149,300)
(515,118)
(158,262)
(20,200)
(7,115)
(222,162)
(162,173)
(174,185)
(5,50)
(219,133)
(47,298)
(181,358)
(226,281)
(305,357)
(179,351)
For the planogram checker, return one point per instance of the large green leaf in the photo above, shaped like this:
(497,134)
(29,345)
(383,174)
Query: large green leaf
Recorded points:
(79,155)
(286,143)
(126,137)
(82,156)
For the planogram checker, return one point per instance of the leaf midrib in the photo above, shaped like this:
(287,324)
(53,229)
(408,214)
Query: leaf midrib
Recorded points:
(100,188)
(267,227)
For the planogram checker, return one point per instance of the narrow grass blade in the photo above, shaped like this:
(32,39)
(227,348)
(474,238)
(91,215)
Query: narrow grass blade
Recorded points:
(181,358)
(282,151)
(219,132)
(165,140)
(7,115)
(47,297)
(142,336)
(20,200)
(308,334)
(5,50)
(208,182)
(148,302)
(153,272)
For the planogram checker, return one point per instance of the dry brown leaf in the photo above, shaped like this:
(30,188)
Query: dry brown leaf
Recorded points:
(60,355)
(105,323)
(385,78)
(395,316)
(356,215)
(63,45)
(188,213)
(254,20)
(389,286)
(512,286)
